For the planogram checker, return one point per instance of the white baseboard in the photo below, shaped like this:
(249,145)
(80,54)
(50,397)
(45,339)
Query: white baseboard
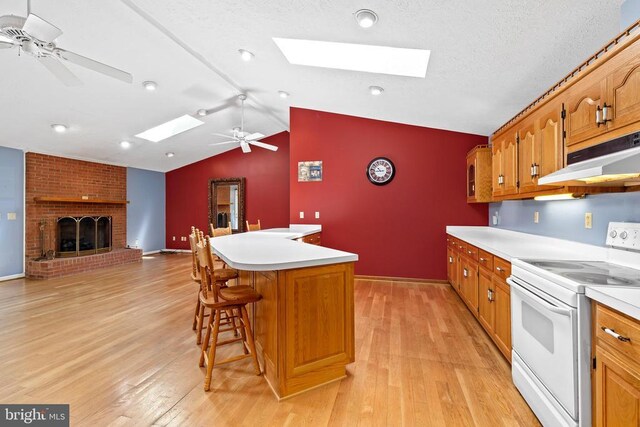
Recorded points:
(13,276)
(151,252)
(178,251)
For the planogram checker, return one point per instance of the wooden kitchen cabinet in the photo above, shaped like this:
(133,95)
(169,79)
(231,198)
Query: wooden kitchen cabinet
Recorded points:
(617,369)
(504,159)
(529,152)
(582,102)
(480,281)
(623,90)
(479,174)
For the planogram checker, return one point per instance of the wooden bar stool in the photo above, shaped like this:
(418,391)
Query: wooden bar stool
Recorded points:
(220,231)
(221,299)
(195,276)
(253,227)
(222,277)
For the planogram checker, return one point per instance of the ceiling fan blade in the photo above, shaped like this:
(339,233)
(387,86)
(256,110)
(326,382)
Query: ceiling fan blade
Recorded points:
(253,136)
(41,29)
(263,145)
(56,68)
(94,65)
(6,45)
(224,142)
(245,147)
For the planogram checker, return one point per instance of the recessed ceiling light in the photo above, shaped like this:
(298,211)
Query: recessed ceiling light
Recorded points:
(170,128)
(356,57)
(125,144)
(59,128)
(375,90)
(283,94)
(150,86)
(202,112)
(246,55)
(170,154)
(366,18)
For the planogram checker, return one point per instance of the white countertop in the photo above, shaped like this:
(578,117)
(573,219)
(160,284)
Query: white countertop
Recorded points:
(512,244)
(509,244)
(274,249)
(624,299)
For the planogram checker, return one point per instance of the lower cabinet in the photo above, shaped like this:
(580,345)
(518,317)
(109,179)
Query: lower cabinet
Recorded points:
(479,278)
(616,378)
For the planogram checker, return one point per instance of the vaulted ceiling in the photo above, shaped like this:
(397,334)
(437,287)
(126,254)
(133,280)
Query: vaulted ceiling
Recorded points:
(488,60)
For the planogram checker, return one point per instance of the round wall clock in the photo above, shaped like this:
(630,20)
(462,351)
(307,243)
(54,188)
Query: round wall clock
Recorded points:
(380,171)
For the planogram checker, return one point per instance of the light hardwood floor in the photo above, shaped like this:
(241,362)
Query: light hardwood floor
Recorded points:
(117,345)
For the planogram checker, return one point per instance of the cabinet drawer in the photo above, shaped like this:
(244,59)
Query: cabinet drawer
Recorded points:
(471,252)
(616,323)
(485,260)
(452,242)
(501,268)
(461,247)
(313,239)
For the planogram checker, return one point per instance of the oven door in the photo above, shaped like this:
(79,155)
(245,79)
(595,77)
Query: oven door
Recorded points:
(544,335)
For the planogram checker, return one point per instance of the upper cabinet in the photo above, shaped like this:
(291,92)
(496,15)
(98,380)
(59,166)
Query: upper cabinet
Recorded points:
(623,94)
(584,103)
(479,174)
(504,152)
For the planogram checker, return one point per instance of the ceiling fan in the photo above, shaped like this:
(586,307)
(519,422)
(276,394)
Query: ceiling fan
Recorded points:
(245,139)
(35,36)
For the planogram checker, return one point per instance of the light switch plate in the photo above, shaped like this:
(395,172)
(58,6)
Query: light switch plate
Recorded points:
(11,216)
(536,217)
(301,215)
(588,220)
(317,215)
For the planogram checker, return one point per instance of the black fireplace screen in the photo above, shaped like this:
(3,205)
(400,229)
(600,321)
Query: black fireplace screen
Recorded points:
(84,235)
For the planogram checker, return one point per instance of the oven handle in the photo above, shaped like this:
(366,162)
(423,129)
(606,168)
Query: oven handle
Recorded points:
(536,299)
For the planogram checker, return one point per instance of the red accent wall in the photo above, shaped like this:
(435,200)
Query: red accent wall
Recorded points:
(398,230)
(266,192)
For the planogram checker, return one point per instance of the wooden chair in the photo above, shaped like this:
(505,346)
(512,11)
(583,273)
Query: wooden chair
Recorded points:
(220,231)
(253,227)
(195,276)
(220,299)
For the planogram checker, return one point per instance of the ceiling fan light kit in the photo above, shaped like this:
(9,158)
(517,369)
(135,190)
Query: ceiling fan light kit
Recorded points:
(245,139)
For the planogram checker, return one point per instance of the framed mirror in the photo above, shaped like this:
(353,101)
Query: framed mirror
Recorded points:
(226,203)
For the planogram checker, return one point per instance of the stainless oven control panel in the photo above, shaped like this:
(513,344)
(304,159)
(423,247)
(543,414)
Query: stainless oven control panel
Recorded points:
(624,235)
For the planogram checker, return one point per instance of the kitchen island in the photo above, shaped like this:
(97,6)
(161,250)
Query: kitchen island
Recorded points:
(304,324)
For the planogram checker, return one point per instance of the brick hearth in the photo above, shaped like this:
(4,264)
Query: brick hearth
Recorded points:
(50,176)
(58,267)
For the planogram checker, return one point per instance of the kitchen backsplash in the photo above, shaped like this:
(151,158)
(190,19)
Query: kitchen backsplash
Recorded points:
(564,219)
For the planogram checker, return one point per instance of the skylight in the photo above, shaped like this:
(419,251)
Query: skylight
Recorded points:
(170,128)
(356,57)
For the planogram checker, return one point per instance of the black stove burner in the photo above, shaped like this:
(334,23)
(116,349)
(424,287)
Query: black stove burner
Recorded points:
(598,279)
(568,265)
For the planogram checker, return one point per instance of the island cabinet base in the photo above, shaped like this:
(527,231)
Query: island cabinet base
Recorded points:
(304,325)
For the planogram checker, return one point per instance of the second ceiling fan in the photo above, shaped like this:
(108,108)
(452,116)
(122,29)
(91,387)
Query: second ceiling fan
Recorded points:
(245,139)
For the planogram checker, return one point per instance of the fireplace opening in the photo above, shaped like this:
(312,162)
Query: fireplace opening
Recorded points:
(85,235)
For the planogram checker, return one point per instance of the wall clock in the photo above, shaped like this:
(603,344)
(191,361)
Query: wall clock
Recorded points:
(380,171)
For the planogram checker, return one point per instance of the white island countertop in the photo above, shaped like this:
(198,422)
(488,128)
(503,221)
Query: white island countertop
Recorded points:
(275,249)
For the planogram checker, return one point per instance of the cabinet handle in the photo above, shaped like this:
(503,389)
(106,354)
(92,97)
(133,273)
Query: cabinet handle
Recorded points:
(615,334)
(535,170)
(470,252)
(482,259)
(598,116)
(490,295)
(465,272)
(500,269)
(450,260)
(532,171)
(606,113)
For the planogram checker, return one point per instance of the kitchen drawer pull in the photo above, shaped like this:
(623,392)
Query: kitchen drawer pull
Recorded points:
(500,269)
(615,334)
(470,252)
(490,295)
(482,259)
(450,260)
(465,272)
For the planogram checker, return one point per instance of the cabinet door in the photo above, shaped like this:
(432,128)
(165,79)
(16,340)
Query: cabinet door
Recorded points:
(486,313)
(624,89)
(470,284)
(581,103)
(529,155)
(496,167)
(617,391)
(510,165)
(550,142)
(451,266)
(502,325)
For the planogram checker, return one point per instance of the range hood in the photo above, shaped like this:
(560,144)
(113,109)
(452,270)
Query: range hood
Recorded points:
(616,162)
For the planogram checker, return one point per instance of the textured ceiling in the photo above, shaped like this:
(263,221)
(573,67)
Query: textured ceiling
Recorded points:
(488,60)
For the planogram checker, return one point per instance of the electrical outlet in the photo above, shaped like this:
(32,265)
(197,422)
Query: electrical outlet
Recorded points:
(317,215)
(301,215)
(174,238)
(588,220)
(536,217)
(183,238)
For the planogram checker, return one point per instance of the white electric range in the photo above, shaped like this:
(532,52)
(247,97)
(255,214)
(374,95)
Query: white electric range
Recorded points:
(551,325)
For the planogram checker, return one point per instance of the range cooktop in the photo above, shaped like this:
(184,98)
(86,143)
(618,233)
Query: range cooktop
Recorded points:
(590,272)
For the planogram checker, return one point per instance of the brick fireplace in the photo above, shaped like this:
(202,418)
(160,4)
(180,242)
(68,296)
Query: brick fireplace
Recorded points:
(57,188)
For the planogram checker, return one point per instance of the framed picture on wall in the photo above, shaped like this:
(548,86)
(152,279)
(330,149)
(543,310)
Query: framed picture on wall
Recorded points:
(310,171)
